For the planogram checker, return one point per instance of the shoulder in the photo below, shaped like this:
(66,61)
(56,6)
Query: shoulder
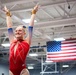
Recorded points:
(26,41)
(13,41)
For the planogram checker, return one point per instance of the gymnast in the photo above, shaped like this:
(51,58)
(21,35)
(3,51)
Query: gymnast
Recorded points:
(19,46)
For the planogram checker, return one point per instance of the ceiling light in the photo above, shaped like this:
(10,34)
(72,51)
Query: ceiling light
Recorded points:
(30,64)
(59,39)
(6,45)
(49,61)
(28,20)
(65,66)
(33,54)
(30,67)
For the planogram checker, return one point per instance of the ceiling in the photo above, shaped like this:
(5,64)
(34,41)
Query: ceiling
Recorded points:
(55,19)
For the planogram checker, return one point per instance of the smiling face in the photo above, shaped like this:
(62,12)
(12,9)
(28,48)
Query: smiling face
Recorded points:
(19,32)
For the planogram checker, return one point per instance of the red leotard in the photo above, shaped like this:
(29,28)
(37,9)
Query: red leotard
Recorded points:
(17,60)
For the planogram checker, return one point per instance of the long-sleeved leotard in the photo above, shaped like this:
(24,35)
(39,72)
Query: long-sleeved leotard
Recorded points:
(17,59)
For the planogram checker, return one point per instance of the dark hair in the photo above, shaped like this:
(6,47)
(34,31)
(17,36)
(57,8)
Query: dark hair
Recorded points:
(24,26)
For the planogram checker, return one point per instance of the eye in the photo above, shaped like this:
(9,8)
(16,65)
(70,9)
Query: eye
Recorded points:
(15,30)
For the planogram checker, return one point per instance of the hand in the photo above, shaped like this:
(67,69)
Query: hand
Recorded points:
(36,7)
(5,9)
(8,13)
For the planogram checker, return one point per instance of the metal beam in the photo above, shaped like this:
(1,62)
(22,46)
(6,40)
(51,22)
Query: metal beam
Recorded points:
(29,9)
(64,10)
(48,14)
(56,23)
(18,2)
(27,1)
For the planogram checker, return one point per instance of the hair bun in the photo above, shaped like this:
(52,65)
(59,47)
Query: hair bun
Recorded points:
(24,26)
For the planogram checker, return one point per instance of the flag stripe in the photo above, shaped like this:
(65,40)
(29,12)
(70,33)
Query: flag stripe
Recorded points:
(63,58)
(61,55)
(61,52)
(68,44)
(70,41)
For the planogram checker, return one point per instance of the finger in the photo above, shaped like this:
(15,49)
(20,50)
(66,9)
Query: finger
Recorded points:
(5,7)
(38,5)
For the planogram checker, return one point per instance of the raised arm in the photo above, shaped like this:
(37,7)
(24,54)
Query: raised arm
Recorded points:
(31,24)
(9,24)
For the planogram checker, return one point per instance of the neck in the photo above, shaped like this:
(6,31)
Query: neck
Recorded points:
(19,39)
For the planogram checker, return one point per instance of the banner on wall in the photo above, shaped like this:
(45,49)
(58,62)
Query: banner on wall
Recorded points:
(58,51)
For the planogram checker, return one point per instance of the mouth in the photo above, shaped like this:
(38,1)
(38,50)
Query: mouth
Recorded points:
(17,34)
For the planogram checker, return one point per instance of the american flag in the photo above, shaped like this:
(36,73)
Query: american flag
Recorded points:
(58,51)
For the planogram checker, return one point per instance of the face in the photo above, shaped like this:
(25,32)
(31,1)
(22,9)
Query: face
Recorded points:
(19,32)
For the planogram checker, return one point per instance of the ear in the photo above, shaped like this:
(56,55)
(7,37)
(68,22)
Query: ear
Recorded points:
(24,33)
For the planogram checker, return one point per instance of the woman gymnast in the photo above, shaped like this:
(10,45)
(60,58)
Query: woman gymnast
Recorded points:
(19,46)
